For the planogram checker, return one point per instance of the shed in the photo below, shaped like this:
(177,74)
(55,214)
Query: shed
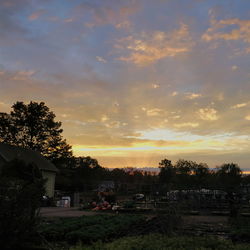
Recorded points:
(48,169)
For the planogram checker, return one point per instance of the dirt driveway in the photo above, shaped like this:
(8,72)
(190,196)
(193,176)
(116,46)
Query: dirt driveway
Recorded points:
(63,212)
(75,212)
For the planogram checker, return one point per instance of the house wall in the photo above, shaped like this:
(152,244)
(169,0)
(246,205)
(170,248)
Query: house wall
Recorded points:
(50,183)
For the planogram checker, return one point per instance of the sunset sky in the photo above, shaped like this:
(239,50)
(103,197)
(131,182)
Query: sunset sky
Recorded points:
(134,81)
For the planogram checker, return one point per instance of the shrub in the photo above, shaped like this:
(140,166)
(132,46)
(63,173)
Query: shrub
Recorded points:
(240,229)
(21,189)
(90,228)
(159,242)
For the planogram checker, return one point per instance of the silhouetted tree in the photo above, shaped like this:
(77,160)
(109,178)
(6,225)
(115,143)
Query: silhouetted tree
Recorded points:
(201,175)
(184,169)
(167,174)
(33,126)
(229,176)
(79,173)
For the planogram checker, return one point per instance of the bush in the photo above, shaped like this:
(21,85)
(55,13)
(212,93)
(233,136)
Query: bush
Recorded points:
(159,242)
(21,189)
(162,223)
(90,228)
(240,229)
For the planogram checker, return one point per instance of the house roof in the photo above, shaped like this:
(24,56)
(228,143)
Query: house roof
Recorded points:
(9,153)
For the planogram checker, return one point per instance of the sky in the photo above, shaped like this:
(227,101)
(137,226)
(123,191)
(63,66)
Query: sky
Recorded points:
(134,81)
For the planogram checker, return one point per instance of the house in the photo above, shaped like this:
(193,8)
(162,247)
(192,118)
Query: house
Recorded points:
(9,153)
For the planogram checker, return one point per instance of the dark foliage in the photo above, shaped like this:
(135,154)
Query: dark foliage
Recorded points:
(79,174)
(161,241)
(21,190)
(33,126)
(88,229)
(240,229)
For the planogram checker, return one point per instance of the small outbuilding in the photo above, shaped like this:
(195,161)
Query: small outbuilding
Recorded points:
(48,169)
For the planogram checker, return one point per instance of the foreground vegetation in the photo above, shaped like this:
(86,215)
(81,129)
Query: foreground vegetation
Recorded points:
(159,241)
(21,189)
(138,232)
(240,229)
(88,229)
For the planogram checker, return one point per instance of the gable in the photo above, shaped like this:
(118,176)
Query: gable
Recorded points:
(9,153)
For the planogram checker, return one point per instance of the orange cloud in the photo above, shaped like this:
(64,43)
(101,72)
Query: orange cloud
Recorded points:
(23,75)
(239,105)
(192,96)
(186,124)
(148,48)
(154,112)
(217,30)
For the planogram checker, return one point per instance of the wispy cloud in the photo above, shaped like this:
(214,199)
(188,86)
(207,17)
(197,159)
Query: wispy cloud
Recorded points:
(239,105)
(229,30)
(154,112)
(35,15)
(192,96)
(68,20)
(108,13)
(148,47)
(234,67)
(23,75)
(100,59)
(208,114)
(155,86)
(175,93)
(186,125)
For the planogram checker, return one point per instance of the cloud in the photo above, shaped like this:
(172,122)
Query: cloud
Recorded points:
(239,105)
(104,118)
(154,112)
(100,59)
(208,114)
(10,29)
(108,13)
(23,75)
(68,20)
(77,122)
(112,143)
(234,67)
(147,48)
(155,86)
(124,25)
(175,93)
(238,30)
(113,124)
(35,15)
(176,117)
(58,63)
(192,96)
(186,124)
(247,117)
